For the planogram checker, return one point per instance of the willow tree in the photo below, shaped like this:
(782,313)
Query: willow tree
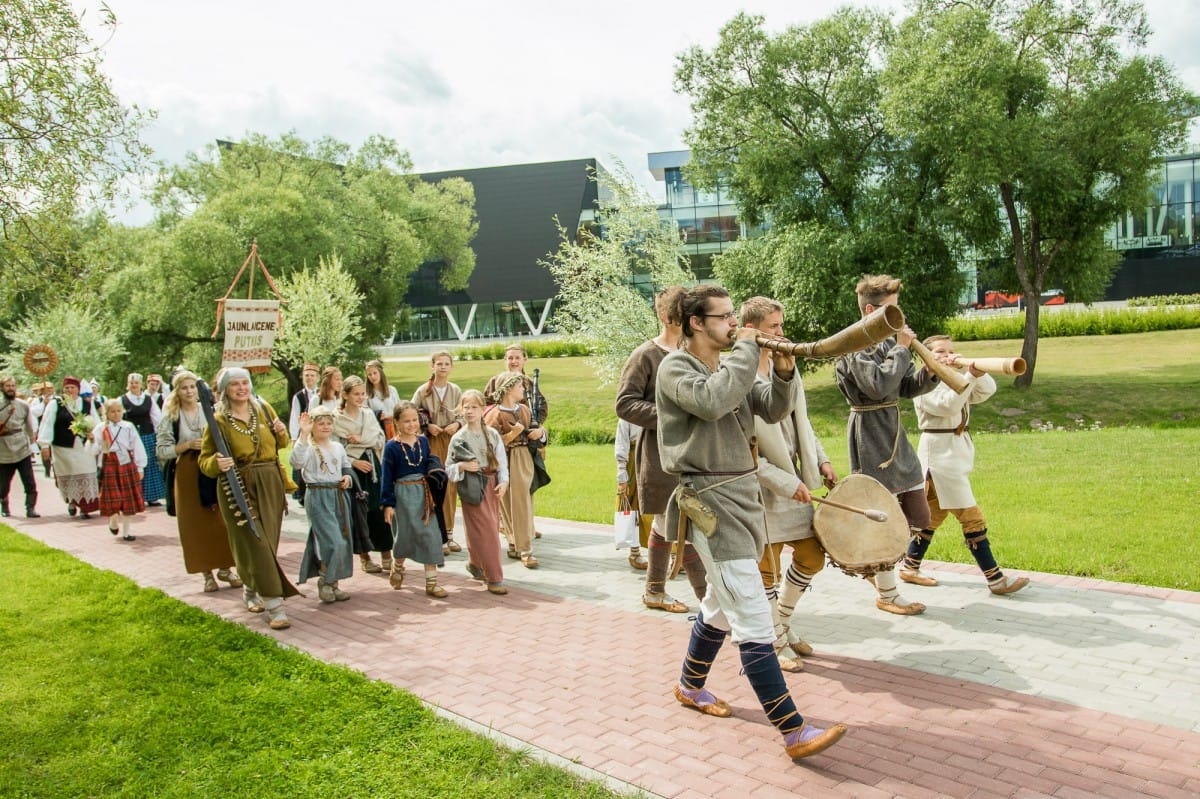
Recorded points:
(1048,117)
(607,271)
(301,201)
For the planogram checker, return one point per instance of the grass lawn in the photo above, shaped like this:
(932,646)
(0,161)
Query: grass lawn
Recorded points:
(116,691)
(1093,503)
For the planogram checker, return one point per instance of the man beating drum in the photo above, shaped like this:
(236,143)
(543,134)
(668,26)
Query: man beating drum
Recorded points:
(791,461)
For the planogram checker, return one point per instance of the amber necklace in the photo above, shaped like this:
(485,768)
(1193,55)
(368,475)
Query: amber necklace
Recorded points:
(250,430)
(410,452)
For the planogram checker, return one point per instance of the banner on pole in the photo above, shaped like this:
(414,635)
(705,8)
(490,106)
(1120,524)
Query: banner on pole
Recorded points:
(250,330)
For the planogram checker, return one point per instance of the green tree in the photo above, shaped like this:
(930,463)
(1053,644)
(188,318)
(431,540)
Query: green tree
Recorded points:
(1048,118)
(84,338)
(790,126)
(320,314)
(65,137)
(607,272)
(301,201)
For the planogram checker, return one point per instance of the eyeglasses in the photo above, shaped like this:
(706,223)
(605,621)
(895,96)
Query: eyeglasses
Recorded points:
(728,317)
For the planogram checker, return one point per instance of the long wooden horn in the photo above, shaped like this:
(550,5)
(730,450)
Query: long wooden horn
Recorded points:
(873,328)
(947,374)
(993,366)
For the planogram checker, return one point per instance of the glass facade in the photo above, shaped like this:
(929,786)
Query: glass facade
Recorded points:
(505,320)
(708,220)
(1170,226)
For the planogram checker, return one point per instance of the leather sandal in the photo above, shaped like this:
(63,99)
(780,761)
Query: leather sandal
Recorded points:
(638,562)
(475,572)
(396,577)
(663,602)
(225,575)
(907,609)
(529,561)
(916,578)
(434,590)
(512,552)
(369,566)
(497,588)
(810,740)
(705,702)
(453,546)
(210,584)
(1009,586)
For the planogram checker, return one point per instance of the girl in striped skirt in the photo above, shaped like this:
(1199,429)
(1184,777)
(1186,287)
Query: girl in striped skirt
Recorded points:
(124,461)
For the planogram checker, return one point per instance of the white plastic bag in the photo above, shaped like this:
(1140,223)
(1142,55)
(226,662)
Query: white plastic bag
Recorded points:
(625,525)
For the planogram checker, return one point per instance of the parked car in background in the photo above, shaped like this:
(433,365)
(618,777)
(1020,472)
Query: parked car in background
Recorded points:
(998,299)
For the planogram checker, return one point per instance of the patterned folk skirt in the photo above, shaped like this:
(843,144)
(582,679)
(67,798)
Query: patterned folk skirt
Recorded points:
(153,487)
(120,487)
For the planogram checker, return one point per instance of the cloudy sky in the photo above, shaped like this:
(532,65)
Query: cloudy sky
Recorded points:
(457,83)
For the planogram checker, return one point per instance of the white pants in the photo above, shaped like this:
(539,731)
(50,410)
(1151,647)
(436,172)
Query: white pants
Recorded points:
(735,599)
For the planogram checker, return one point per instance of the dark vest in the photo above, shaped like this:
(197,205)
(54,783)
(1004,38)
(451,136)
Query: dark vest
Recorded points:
(63,437)
(139,415)
(301,396)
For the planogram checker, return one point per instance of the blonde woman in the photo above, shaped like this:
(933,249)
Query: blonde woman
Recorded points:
(359,431)
(439,398)
(201,531)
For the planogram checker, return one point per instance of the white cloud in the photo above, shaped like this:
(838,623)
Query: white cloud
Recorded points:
(458,83)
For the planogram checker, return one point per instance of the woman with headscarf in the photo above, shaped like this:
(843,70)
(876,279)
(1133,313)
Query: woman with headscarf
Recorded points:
(65,430)
(201,530)
(254,434)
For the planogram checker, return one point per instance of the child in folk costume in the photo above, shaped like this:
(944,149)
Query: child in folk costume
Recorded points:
(359,431)
(512,419)
(407,504)
(439,398)
(323,463)
(947,456)
(124,462)
(476,449)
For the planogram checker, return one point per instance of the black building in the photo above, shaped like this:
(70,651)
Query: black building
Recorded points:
(510,294)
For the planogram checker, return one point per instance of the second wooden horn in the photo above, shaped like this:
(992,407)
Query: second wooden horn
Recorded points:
(873,328)
(994,366)
(947,374)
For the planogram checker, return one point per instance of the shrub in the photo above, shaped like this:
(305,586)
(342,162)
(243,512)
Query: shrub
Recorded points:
(1089,322)
(1165,299)
(548,348)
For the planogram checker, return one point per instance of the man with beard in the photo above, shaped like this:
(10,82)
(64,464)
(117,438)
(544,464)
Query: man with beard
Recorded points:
(16,438)
(706,411)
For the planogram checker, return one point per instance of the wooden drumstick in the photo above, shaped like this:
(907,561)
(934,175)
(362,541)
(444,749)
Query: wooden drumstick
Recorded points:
(871,513)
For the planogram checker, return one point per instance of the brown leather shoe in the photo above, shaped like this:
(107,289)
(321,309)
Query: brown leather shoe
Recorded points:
(813,739)
(717,707)
(396,578)
(1009,586)
(663,602)
(909,609)
(497,588)
(916,578)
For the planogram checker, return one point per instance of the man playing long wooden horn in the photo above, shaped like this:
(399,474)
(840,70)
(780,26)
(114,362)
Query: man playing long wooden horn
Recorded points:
(873,381)
(706,411)
(947,457)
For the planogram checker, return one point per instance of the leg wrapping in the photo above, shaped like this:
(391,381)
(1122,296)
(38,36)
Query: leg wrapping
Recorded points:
(762,670)
(918,545)
(703,647)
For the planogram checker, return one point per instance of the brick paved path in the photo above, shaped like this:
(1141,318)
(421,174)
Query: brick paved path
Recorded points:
(1072,688)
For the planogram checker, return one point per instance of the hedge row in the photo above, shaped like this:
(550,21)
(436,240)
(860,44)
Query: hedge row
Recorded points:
(1090,322)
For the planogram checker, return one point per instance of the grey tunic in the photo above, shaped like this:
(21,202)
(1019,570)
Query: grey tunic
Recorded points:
(705,421)
(878,446)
